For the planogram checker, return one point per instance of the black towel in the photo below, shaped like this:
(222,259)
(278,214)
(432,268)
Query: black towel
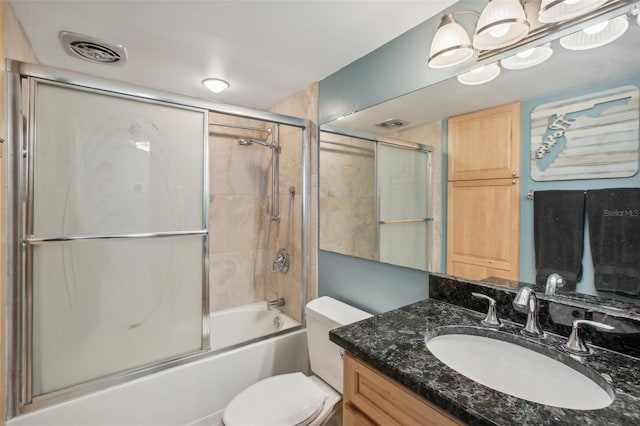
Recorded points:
(614,231)
(558,235)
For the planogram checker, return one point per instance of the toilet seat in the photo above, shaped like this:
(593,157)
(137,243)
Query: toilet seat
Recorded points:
(286,399)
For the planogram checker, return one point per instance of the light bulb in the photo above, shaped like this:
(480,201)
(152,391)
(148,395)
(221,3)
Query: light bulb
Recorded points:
(595,29)
(478,70)
(500,30)
(449,54)
(572,1)
(526,53)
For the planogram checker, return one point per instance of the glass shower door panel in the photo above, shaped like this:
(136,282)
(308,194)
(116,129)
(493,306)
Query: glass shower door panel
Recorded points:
(402,183)
(404,190)
(404,244)
(106,164)
(107,306)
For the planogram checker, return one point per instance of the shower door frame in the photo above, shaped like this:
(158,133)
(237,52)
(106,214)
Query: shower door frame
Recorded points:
(21,77)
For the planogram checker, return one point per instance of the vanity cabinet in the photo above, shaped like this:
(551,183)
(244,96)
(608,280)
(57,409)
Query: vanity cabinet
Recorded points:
(370,398)
(483,205)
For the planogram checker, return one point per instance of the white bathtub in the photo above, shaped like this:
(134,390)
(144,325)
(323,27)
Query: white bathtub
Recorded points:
(230,327)
(196,393)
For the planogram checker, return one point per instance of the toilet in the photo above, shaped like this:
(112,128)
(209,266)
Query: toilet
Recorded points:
(295,399)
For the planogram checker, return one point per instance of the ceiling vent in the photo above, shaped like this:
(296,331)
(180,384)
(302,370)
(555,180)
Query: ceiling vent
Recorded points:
(392,123)
(92,49)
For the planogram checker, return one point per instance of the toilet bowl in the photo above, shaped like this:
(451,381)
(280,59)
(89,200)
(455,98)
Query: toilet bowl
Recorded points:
(295,399)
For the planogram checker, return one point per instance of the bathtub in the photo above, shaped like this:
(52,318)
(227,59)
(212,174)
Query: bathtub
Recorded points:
(233,326)
(196,393)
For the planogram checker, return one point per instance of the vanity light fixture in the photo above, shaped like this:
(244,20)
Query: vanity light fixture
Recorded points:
(480,75)
(502,23)
(562,10)
(451,45)
(596,35)
(216,85)
(528,58)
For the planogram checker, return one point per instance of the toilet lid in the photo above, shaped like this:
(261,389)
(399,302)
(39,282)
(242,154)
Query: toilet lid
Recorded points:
(286,399)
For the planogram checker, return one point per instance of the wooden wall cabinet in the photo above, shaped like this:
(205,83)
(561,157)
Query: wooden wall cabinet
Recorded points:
(483,198)
(485,144)
(370,398)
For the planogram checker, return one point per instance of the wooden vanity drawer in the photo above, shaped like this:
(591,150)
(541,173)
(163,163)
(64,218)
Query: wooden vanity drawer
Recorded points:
(384,401)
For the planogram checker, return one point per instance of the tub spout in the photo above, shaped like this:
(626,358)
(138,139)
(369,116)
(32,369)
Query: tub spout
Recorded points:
(275,303)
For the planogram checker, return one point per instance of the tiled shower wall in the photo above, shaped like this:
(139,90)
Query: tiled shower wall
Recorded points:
(303,104)
(347,196)
(240,198)
(237,210)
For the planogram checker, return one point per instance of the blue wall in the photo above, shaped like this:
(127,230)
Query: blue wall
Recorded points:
(527,257)
(372,286)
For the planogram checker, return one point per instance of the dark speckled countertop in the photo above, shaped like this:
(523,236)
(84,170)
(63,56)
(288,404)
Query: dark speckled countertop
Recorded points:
(394,344)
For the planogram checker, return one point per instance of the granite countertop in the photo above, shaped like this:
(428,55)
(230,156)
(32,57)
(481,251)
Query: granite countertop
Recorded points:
(393,343)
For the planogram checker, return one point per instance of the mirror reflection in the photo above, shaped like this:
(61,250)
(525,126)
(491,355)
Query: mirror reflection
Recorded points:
(375,197)
(491,181)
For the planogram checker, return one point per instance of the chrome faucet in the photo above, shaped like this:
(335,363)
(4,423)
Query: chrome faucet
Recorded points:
(575,344)
(526,301)
(554,281)
(272,304)
(491,319)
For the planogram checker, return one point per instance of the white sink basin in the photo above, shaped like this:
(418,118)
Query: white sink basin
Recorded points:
(518,371)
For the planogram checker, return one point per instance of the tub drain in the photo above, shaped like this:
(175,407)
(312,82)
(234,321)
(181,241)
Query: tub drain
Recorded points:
(277,322)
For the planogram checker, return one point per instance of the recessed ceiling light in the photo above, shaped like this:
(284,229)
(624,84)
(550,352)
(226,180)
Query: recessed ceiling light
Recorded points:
(215,85)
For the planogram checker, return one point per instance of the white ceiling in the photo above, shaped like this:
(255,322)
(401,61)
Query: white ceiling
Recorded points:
(267,50)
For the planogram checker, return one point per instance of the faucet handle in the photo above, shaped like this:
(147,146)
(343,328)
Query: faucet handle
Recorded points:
(575,344)
(491,319)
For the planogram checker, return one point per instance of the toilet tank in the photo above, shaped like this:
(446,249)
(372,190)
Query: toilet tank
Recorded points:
(324,314)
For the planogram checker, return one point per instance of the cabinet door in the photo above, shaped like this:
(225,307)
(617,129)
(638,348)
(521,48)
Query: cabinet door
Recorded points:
(485,144)
(372,398)
(483,231)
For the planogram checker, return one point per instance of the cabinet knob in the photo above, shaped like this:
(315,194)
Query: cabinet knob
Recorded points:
(513,181)
(514,174)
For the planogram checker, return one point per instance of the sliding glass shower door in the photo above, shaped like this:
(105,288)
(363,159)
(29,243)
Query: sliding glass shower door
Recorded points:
(115,234)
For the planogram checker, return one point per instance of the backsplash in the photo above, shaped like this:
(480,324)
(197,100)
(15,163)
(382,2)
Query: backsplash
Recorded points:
(556,312)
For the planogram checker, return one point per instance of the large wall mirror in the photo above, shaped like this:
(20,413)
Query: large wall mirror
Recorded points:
(567,76)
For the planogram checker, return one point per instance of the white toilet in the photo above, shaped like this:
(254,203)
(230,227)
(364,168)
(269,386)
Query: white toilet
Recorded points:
(295,399)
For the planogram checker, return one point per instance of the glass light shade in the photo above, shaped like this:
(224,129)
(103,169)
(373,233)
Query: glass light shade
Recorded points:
(583,40)
(450,46)
(480,75)
(528,58)
(502,23)
(215,85)
(561,10)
